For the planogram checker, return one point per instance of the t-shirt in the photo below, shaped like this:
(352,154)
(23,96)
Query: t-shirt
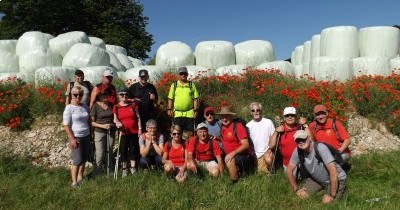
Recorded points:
(77,117)
(326,134)
(102,116)
(183,100)
(146,106)
(260,132)
(228,137)
(176,155)
(317,169)
(287,144)
(85,97)
(127,116)
(152,151)
(214,128)
(112,98)
(203,151)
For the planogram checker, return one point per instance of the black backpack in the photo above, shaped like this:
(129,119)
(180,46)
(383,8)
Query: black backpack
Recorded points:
(243,123)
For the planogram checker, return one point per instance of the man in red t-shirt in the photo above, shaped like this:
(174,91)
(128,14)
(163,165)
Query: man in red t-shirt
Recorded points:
(202,151)
(239,157)
(322,131)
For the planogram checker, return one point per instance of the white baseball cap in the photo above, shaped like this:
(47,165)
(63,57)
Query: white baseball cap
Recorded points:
(289,110)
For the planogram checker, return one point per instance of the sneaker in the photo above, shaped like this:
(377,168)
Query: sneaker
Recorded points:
(124,173)
(75,185)
(133,171)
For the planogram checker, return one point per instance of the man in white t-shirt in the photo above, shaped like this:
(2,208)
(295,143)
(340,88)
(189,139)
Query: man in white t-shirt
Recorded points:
(261,130)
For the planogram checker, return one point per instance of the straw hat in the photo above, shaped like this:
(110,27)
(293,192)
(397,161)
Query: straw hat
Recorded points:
(226,110)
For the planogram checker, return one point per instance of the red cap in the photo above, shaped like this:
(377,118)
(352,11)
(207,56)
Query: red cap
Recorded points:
(209,109)
(320,108)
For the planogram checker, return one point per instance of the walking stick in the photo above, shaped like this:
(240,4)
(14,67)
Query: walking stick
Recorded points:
(117,157)
(108,152)
(276,151)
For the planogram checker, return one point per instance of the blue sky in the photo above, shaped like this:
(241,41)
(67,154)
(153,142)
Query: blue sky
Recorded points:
(284,23)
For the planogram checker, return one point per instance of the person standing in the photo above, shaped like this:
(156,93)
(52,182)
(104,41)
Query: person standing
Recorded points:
(145,94)
(80,81)
(183,101)
(76,124)
(105,86)
(261,129)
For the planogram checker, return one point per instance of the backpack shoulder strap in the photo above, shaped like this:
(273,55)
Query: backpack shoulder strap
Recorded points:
(211,146)
(334,127)
(196,142)
(234,128)
(174,86)
(71,85)
(316,150)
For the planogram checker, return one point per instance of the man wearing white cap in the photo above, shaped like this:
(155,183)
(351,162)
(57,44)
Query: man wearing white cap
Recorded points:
(319,163)
(105,86)
(204,152)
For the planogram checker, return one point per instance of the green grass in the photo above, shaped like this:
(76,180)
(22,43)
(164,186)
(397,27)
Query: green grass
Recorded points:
(23,186)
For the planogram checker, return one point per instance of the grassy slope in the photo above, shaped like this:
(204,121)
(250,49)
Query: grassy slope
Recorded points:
(23,186)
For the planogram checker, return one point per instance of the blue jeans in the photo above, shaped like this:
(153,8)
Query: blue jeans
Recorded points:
(146,162)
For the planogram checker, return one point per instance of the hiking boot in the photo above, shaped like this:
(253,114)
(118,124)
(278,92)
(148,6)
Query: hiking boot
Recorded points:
(75,185)
(134,171)
(124,173)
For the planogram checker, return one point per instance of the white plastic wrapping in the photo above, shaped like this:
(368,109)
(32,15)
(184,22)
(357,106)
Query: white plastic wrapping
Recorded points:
(284,67)
(29,78)
(97,42)
(231,70)
(54,75)
(155,73)
(29,62)
(94,74)
(32,41)
(306,69)
(332,68)
(121,75)
(298,55)
(135,62)
(8,45)
(63,42)
(124,60)
(254,52)
(340,41)
(8,62)
(298,70)
(395,65)
(198,72)
(292,57)
(215,54)
(114,62)
(307,52)
(116,49)
(174,54)
(371,66)
(85,55)
(316,46)
(379,41)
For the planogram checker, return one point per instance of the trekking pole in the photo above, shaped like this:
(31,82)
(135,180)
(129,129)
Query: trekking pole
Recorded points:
(117,157)
(108,152)
(276,151)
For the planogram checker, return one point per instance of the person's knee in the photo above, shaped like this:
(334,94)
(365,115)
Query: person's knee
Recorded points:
(213,171)
(168,168)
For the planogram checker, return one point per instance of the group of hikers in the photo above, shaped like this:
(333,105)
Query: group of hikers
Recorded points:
(316,154)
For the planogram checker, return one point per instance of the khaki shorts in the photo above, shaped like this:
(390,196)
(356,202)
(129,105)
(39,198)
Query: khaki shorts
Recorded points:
(207,164)
(262,165)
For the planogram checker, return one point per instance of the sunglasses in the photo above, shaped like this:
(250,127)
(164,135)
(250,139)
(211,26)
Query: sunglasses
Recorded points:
(210,113)
(290,115)
(320,113)
(299,140)
(183,73)
(123,94)
(256,110)
(176,134)
(76,95)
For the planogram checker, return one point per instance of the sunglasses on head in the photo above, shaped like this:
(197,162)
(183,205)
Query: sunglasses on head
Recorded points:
(176,134)
(299,140)
(290,115)
(256,110)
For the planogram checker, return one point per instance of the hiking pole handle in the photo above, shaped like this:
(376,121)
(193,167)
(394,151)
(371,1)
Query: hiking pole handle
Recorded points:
(278,137)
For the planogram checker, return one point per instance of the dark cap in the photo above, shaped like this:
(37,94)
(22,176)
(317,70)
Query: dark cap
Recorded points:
(122,90)
(79,72)
(182,69)
(143,73)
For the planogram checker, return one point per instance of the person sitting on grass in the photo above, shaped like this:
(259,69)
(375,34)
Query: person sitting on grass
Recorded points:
(174,155)
(322,170)
(151,146)
(204,152)
(76,124)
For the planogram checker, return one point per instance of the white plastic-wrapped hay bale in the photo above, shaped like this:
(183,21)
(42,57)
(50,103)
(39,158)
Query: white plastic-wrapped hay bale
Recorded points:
(54,75)
(32,41)
(215,54)
(340,41)
(306,69)
(63,42)
(8,45)
(316,46)
(116,49)
(379,41)
(8,62)
(332,68)
(121,75)
(298,70)
(97,42)
(198,72)
(254,52)
(155,73)
(284,67)
(86,55)
(124,60)
(135,62)
(94,74)
(395,65)
(371,66)
(307,52)
(29,62)
(174,54)
(29,78)
(292,57)
(298,55)
(114,62)
(231,70)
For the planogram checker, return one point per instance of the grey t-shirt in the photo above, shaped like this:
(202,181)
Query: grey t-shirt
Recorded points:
(317,169)
(102,116)
(214,129)
(85,98)
(152,151)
